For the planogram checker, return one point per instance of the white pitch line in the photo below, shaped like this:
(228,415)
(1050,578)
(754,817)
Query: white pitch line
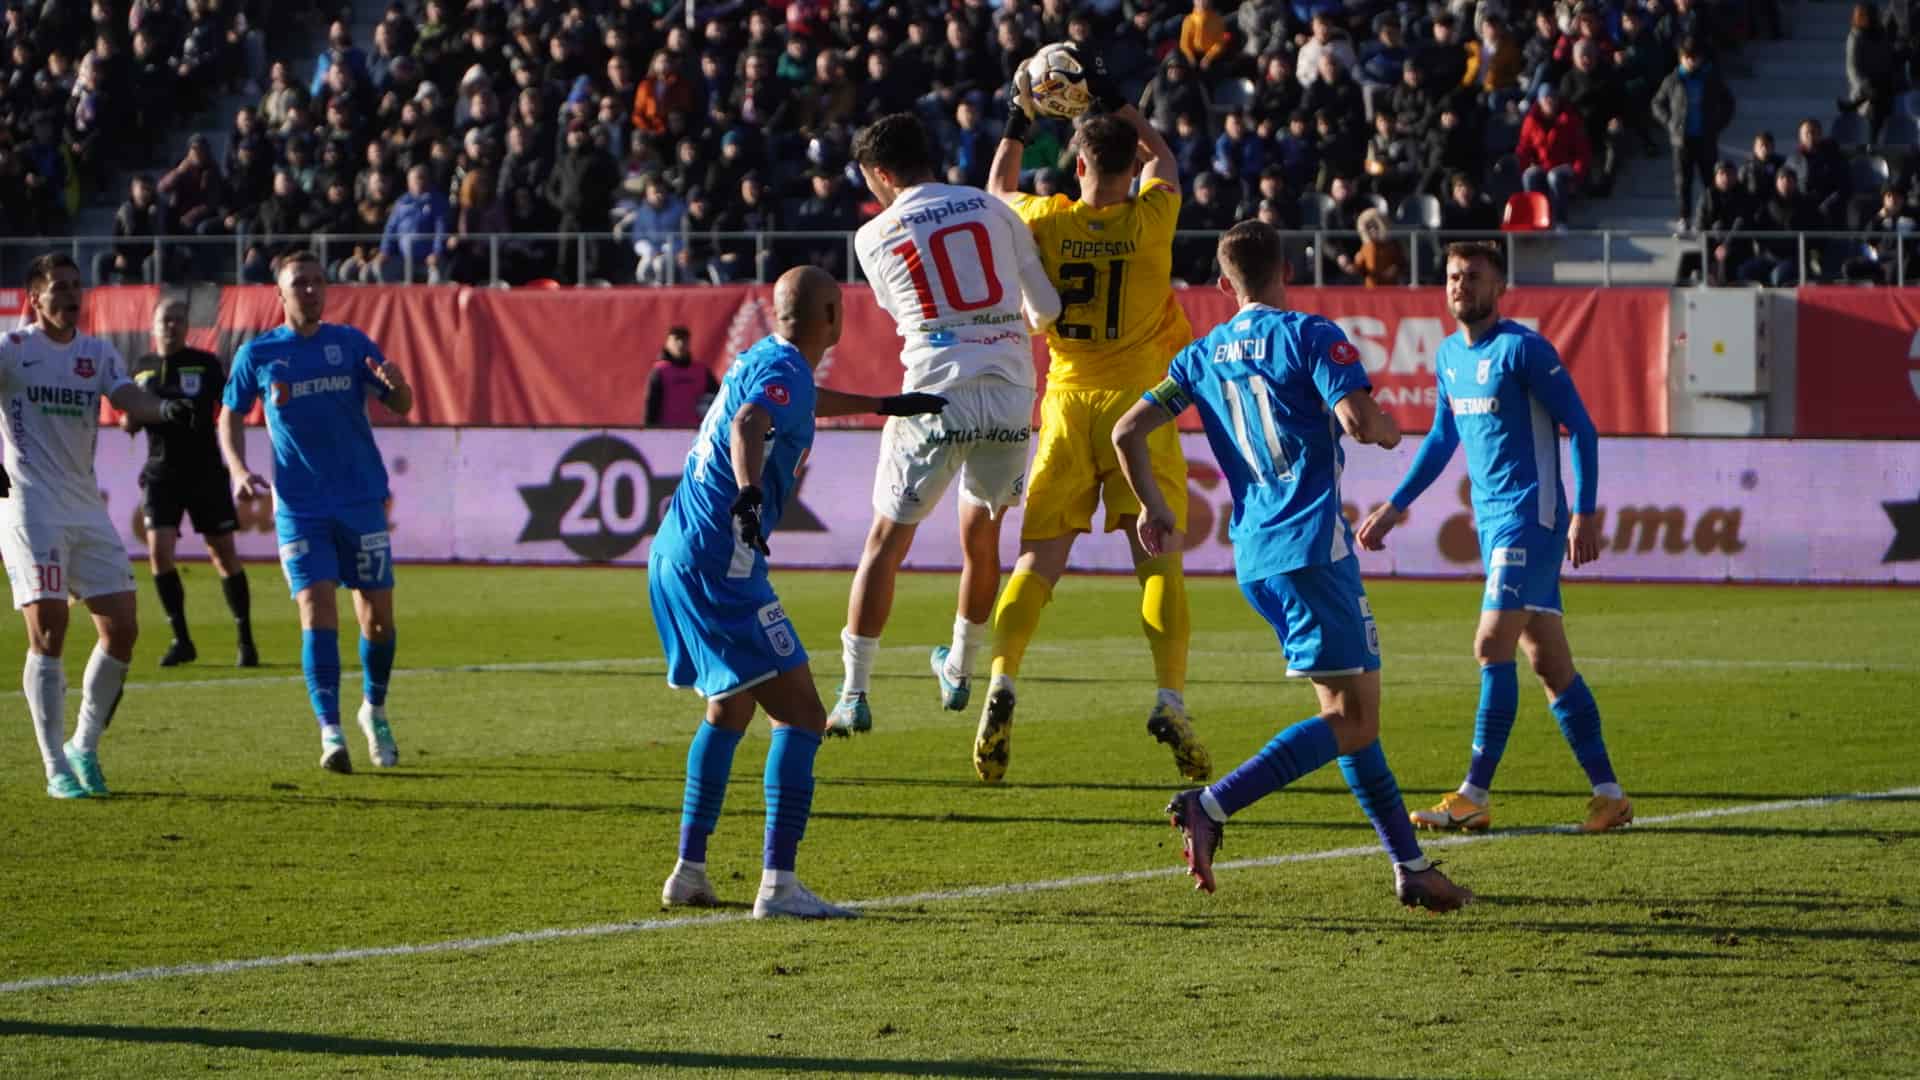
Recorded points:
(973,892)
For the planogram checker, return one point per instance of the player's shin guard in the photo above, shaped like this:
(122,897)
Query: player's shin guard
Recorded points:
(1292,754)
(1493,722)
(173,600)
(376,667)
(789,791)
(1163,615)
(320,659)
(1016,617)
(709,764)
(1579,718)
(1378,794)
(45,683)
(101,687)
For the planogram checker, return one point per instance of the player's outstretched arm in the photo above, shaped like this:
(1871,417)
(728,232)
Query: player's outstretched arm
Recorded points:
(1365,421)
(840,403)
(1157,522)
(1003,177)
(147,408)
(1161,164)
(233,447)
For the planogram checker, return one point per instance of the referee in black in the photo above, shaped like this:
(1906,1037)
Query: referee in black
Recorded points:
(185,477)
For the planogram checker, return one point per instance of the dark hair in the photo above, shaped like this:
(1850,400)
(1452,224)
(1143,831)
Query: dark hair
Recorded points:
(1470,250)
(1251,256)
(1458,177)
(1110,143)
(898,144)
(40,271)
(1689,46)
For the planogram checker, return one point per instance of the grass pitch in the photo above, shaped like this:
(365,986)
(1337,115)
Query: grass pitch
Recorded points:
(539,789)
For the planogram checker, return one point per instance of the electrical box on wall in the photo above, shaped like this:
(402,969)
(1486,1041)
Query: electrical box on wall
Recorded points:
(1726,344)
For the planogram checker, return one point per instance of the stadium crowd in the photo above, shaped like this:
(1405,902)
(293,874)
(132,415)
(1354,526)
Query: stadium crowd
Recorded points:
(672,141)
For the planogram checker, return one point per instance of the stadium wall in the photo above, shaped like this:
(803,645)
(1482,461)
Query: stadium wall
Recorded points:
(1695,509)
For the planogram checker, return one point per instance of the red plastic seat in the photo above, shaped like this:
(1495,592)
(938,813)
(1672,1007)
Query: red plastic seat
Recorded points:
(1527,211)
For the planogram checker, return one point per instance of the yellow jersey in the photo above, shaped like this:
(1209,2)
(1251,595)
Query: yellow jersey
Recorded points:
(1119,323)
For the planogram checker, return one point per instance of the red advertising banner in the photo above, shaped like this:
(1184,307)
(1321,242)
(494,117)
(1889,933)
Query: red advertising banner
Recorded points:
(580,357)
(1859,362)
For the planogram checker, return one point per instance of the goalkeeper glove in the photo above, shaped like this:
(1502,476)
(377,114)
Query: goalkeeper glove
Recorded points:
(6,483)
(1020,107)
(1100,85)
(746,518)
(911,404)
(177,411)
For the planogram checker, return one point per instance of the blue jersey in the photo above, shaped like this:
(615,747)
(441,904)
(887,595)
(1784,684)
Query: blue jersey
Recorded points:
(698,529)
(324,456)
(1265,383)
(1506,399)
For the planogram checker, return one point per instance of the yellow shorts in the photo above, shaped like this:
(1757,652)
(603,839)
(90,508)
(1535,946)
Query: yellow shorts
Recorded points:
(1077,468)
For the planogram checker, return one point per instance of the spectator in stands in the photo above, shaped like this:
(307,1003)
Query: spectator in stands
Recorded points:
(1339,222)
(678,390)
(274,228)
(1444,58)
(688,170)
(664,91)
(1326,40)
(1756,175)
(194,190)
(1494,61)
(1465,210)
(140,219)
(1335,94)
(882,94)
(1690,20)
(700,248)
(1298,152)
(1587,29)
(1414,104)
(1265,27)
(749,216)
(1270,185)
(334,213)
(340,52)
(1393,162)
(155,89)
(1203,36)
(1208,211)
(1343,149)
(1643,62)
(1172,94)
(1821,172)
(1890,251)
(1192,152)
(968,145)
(1777,262)
(414,245)
(580,190)
(1381,260)
(1239,154)
(1872,71)
(1384,58)
(1553,152)
(827,209)
(1592,89)
(480,215)
(1279,94)
(1695,106)
(1538,51)
(1726,212)
(1449,146)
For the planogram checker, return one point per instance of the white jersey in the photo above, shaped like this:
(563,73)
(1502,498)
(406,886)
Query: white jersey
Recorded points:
(53,397)
(951,265)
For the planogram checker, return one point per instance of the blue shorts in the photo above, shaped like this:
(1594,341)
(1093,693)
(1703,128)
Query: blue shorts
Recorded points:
(1322,618)
(721,635)
(1522,561)
(349,547)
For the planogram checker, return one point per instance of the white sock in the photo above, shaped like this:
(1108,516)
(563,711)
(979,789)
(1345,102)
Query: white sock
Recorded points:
(1212,806)
(693,869)
(1417,865)
(45,683)
(1478,795)
(1173,699)
(1611,791)
(968,639)
(99,697)
(857,655)
(777,879)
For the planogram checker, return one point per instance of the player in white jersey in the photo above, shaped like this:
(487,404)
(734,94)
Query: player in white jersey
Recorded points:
(55,535)
(951,265)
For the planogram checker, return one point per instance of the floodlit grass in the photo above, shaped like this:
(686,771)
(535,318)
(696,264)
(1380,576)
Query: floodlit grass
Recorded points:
(1777,943)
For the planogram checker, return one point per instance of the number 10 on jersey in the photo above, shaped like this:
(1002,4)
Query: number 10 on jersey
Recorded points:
(951,287)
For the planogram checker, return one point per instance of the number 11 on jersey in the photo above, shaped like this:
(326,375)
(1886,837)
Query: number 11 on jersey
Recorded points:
(1275,465)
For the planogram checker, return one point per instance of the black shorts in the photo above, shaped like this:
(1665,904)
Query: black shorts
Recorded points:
(205,498)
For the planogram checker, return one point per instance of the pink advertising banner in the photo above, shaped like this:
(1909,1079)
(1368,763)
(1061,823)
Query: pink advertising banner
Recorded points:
(1680,509)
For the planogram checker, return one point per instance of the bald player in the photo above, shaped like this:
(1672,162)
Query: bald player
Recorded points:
(722,628)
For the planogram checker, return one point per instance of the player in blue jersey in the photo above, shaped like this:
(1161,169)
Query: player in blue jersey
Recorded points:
(721,626)
(1504,394)
(1275,389)
(329,488)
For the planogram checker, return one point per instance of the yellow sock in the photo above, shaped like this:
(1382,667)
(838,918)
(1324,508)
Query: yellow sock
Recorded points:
(1163,615)
(1016,617)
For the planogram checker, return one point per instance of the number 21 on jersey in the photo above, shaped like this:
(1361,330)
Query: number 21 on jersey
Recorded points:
(952,288)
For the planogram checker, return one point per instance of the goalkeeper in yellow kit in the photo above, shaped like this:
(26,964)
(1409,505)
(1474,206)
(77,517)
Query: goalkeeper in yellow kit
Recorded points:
(1110,255)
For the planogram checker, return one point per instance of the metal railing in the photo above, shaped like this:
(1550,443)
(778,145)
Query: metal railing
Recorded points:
(1584,257)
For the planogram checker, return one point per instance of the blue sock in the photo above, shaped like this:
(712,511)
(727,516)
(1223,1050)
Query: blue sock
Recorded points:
(320,659)
(1291,755)
(709,763)
(789,793)
(376,667)
(1579,718)
(1499,701)
(1378,794)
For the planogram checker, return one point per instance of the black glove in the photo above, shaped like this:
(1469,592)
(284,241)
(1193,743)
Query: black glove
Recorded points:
(6,483)
(1100,85)
(178,411)
(911,404)
(1020,108)
(746,518)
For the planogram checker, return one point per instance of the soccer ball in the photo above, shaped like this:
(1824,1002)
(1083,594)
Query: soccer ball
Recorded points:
(1059,82)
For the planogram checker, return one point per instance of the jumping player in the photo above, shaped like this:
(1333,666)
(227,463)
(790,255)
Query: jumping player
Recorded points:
(1505,394)
(1275,389)
(951,265)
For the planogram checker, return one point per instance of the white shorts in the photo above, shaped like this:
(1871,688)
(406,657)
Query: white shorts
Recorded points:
(47,562)
(983,435)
